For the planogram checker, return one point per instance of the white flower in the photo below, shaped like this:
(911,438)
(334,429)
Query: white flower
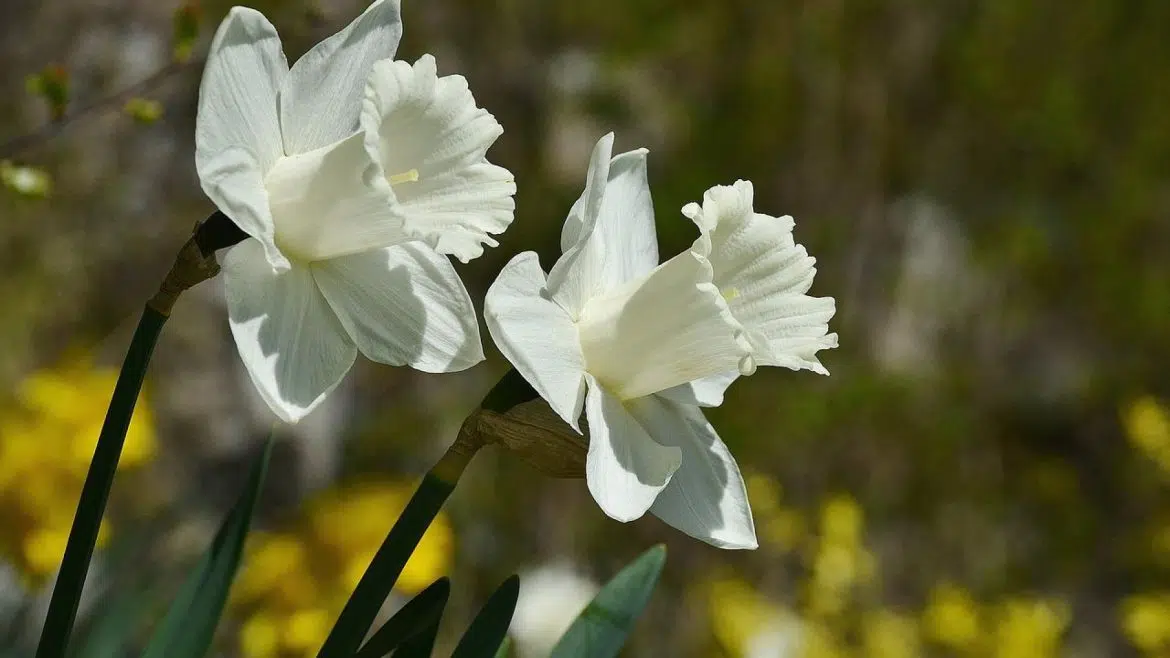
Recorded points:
(551,598)
(642,346)
(333,268)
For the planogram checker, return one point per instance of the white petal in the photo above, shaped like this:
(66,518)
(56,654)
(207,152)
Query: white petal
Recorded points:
(625,468)
(321,100)
(332,202)
(764,275)
(537,336)
(670,328)
(233,182)
(705,392)
(431,141)
(706,498)
(292,344)
(238,94)
(609,237)
(403,305)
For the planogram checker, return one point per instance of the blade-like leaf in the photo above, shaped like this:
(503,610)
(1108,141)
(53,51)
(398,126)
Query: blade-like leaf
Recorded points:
(95,492)
(421,644)
(505,649)
(375,585)
(188,627)
(112,628)
(601,629)
(490,626)
(416,616)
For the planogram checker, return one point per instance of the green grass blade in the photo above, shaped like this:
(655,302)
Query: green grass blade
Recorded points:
(189,625)
(91,506)
(490,626)
(602,628)
(417,615)
(379,578)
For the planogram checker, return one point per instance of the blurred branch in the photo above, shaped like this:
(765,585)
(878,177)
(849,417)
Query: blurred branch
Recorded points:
(20,143)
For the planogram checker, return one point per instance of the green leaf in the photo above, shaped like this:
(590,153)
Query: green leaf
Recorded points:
(416,616)
(189,626)
(487,631)
(505,649)
(421,644)
(62,612)
(601,629)
(363,605)
(112,627)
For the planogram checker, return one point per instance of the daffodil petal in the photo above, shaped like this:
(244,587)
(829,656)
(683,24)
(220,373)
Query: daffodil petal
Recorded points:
(431,141)
(332,202)
(537,336)
(765,276)
(669,328)
(706,498)
(321,99)
(625,468)
(609,237)
(403,305)
(705,392)
(233,182)
(237,130)
(577,276)
(293,346)
(238,95)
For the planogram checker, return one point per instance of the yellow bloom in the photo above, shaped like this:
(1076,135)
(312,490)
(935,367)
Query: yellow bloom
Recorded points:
(951,617)
(1147,424)
(260,636)
(887,634)
(1030,628)
(1145,619)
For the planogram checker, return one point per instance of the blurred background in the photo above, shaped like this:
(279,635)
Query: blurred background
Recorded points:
(986,187)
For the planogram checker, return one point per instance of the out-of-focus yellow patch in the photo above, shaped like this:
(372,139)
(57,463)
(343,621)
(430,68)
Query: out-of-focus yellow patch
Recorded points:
(889,634)
(951,617)
(1145,619)
(1147,425)
(47,439)
(296,581)
(1029,628)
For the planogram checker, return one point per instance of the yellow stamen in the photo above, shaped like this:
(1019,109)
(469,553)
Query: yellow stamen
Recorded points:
(730,293)
(405,177)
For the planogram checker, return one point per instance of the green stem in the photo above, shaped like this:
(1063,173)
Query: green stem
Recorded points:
(96,491)
(363,605)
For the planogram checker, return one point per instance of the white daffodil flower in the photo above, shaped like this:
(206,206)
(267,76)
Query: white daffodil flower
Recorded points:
(641,347)
(333,268)
(551,597)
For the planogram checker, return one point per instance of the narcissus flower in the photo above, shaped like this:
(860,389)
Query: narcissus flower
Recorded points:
(343,256)
(641,346)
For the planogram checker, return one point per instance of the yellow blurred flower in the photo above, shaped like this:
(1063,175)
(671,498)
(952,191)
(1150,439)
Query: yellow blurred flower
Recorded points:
(46,443)
(294,583)
(748,625)
(888,634)
(840,562)
(777,526)
(951,617)
(1145,619)
(1029,628)
(1147,424)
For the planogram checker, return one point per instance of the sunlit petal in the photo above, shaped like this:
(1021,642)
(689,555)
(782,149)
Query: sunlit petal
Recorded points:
(403,305)
(705,392)
(322,97)
(670,328)
(706,498)
(537,336)
(625,468)
(295,349)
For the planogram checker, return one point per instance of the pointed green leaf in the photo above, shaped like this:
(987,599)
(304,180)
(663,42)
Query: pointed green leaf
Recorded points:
(416,616)
(189,626)
(601,629)
(505,649)
(421,644)
(490,626)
